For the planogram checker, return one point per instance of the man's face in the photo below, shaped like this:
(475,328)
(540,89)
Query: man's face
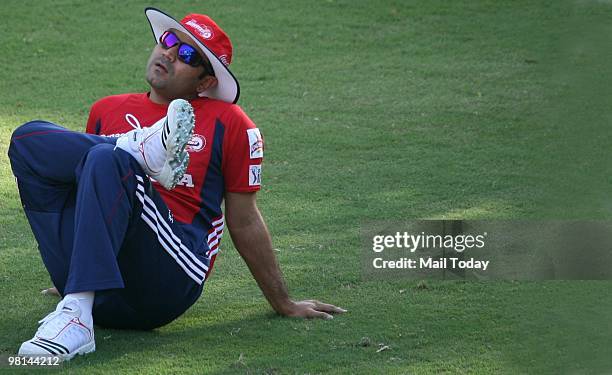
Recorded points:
(171,78)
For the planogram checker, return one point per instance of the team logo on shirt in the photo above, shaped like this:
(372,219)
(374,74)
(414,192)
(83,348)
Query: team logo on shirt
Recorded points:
(255,143)
(255,175)
(197,143)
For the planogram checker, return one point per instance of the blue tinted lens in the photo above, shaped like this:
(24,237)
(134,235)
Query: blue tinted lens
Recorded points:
(187,54)
(169,40)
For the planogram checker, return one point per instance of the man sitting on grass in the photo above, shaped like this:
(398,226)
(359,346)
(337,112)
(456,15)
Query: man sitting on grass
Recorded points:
(128,217)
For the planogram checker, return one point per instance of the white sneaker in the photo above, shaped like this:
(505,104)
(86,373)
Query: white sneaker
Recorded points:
(62,334)
(160,148)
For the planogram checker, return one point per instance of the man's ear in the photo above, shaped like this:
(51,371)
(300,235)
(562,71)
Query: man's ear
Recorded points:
(206,83)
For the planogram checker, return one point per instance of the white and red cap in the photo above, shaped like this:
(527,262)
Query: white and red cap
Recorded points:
(211,39)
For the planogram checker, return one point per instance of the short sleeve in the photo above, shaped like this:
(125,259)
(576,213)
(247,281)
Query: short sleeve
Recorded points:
(94,120)
(243,149)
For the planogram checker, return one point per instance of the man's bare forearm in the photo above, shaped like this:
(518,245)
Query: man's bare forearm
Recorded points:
(252,239)
(253,242)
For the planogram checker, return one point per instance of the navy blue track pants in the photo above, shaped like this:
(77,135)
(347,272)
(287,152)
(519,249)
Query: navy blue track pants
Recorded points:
(84,201)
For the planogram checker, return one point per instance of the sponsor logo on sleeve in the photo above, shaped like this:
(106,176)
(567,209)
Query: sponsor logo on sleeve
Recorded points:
(255,175)
(255,143)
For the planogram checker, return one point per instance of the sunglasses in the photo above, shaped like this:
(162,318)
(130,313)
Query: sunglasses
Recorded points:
(186,53)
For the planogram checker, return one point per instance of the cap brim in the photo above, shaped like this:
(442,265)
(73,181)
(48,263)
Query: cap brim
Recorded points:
(227,88)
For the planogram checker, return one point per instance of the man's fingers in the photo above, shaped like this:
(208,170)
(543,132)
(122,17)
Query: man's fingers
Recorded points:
(50,292)
(328,307)
(316,309)
(320,315)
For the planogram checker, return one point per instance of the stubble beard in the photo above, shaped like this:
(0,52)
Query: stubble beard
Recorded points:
(154,78)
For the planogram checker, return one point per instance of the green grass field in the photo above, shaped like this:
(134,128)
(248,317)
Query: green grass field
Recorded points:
(371,110)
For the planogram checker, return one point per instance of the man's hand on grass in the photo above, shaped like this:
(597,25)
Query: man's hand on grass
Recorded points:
(50,292)
(313,309)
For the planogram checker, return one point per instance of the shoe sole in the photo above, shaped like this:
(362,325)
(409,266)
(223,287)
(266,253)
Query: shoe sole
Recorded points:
(177,160)
(85,349)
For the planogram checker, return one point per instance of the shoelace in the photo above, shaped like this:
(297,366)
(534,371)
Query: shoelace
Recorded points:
(133,121)
(58,311)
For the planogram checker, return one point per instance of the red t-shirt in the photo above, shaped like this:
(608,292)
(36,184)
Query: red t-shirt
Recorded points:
(226,153)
